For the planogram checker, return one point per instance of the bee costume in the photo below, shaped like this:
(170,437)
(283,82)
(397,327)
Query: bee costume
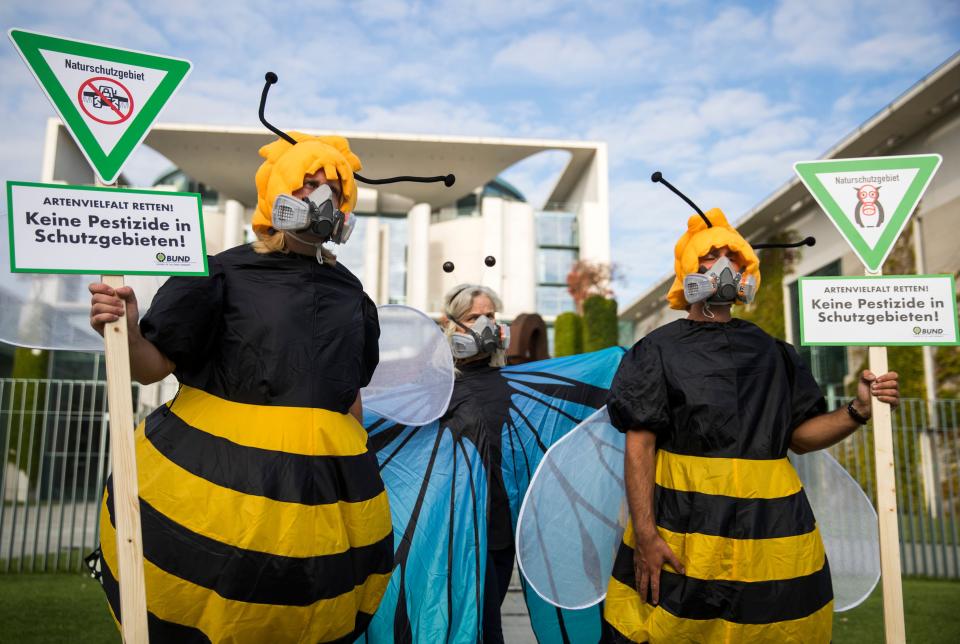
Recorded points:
(723,399)
(264,515)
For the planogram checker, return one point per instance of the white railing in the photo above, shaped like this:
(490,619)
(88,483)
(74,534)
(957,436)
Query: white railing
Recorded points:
(54,434)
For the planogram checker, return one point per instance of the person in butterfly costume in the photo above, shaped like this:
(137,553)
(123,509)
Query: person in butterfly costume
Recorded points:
(456,484)
(721,544)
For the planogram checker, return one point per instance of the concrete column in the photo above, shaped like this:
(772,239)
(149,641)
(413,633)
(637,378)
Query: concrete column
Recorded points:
(371,258)
(383,232)
(232,223)
(519,259)
(418,255)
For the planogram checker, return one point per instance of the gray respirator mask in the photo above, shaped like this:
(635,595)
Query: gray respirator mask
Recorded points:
(719,284)
(316,214)
(484,336)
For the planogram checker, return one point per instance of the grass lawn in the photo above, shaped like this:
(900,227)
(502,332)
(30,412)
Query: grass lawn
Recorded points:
(931,612)
(72,608)
(57,607)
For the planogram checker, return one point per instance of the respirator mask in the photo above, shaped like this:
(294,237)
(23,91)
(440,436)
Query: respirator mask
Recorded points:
(483,336)
(719,284)
(316,214)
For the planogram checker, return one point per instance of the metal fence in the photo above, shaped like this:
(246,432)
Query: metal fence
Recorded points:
(54,435)
(927,467)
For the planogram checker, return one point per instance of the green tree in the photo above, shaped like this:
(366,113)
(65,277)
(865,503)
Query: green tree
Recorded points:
(568,335)
(599,323)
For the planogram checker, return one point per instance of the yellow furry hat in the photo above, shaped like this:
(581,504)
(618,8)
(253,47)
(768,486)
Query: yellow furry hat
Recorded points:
(286,164)
(697,242)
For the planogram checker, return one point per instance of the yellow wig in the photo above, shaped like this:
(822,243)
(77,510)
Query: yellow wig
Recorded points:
(286,164)
(697,242)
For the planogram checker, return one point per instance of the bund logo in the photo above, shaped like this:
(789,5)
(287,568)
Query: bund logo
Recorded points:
(178,260)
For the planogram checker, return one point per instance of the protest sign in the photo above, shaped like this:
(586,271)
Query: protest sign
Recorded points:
(108,98)
(889,310)
(80,229)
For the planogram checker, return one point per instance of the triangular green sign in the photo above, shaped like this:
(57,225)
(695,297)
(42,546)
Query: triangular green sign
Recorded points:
(108,98)
(869,199)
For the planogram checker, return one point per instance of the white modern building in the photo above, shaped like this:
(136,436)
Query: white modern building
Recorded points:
(923,120)
(407,230)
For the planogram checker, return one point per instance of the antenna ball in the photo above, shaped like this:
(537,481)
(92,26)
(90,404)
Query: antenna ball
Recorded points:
(656,176)
(271,78)
(449,180)
(810,241)
(490,260)
(448,267)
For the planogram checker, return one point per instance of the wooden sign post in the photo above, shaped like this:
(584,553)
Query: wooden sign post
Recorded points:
(883,453)
(126,496)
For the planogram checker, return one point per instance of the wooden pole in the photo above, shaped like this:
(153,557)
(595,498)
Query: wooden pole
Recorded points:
(126,495)
(890,575)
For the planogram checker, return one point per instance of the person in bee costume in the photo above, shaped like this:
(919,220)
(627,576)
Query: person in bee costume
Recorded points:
(722,545)
(264,515)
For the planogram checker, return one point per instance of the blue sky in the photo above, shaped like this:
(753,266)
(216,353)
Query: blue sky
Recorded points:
(722,97)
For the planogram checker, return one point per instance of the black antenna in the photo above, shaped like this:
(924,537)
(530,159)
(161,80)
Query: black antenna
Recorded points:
(489,261)
(271,78)
(448,180)
(809,241)
(657,177)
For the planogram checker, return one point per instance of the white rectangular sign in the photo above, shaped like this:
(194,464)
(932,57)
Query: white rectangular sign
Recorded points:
(878,311)
(80,229)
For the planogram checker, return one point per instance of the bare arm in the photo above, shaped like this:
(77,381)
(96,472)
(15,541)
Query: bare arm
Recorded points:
(147,363)
(356,409)
(828,429)
(650,551)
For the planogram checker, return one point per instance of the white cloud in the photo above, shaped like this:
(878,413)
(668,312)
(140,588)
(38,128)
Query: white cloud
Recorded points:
(560,57)
(879,36)
(434,116)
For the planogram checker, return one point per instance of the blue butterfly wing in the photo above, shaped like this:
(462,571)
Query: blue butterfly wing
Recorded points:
(549,398)
(437,487)
(437,482)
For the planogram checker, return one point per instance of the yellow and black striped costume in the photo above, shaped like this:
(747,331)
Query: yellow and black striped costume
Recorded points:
(723,399)
(264,516)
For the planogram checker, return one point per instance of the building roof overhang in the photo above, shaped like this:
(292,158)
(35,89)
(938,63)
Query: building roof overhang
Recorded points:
(226,159)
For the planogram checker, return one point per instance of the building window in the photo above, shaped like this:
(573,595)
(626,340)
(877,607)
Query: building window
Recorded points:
(556,229)
(555,264)
(553,300)
(557,252)
(397,291)
(353,254)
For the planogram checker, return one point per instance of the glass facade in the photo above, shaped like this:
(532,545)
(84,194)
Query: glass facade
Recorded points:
(397,292)
(553,264)
(557,251)
(553,300)
(183,183)
(557,229)
(352,253)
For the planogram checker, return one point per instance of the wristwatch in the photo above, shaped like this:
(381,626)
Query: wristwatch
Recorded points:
(855,415)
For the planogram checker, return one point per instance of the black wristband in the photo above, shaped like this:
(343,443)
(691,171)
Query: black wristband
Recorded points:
(855,415)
